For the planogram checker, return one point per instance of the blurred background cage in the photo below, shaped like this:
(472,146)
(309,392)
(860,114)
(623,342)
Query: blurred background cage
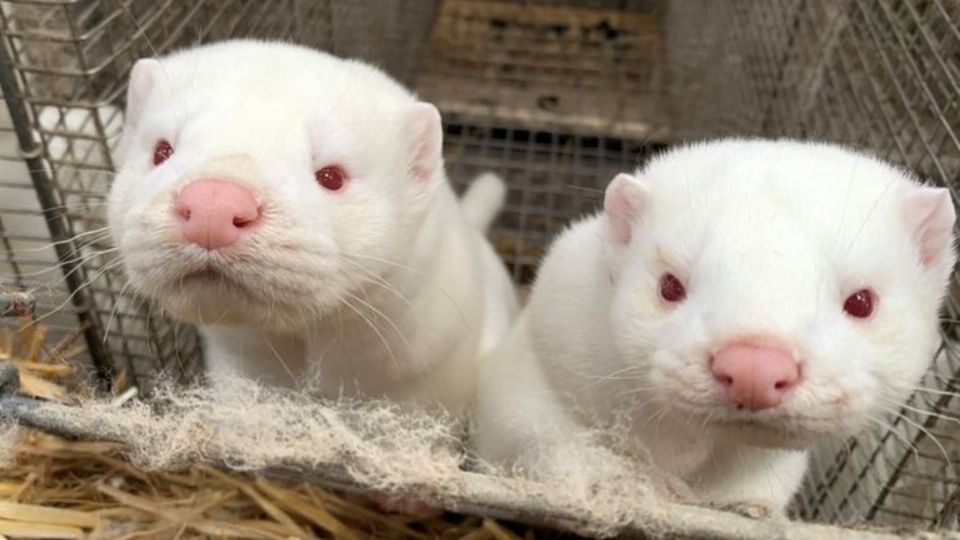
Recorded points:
(556,95)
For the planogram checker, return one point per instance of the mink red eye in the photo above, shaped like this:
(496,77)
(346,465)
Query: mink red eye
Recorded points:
(331,177)
(859,304)
(162,152)
(671,288)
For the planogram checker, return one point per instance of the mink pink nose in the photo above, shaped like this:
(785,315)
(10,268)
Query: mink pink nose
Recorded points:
(755,377)
(214,214)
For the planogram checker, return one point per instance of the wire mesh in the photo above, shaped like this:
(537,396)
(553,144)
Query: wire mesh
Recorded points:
(555,95)
(594,67)
(552,177)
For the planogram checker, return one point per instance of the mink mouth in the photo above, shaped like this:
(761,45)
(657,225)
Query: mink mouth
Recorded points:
(770,433)
(205,274)
(211,277)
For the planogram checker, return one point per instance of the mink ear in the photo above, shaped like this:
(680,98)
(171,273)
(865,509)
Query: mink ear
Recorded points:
(142,79)
(625,199)
(425,131)
(930,214)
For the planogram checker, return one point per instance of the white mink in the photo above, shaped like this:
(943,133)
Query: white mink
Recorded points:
(294,205)
(807,281)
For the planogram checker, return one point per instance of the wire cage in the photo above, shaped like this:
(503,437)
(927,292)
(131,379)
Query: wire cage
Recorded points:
(557,96)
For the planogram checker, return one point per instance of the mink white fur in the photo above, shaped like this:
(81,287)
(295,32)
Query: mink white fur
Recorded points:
(769,238)
(384,288)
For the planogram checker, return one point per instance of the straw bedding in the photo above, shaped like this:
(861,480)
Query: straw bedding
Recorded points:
(61,489)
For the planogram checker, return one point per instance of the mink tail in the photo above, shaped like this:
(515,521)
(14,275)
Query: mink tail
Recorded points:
(483,199)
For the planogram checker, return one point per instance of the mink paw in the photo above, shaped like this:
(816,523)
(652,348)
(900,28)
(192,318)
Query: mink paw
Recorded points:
(750,509)
(403,505)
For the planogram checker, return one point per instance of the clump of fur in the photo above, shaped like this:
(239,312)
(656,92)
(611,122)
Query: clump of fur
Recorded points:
(10,435)
(376,446)
(250,427)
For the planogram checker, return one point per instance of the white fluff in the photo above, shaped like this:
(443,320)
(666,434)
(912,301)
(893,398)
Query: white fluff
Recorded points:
(770,237)
(370,445)
(381,289)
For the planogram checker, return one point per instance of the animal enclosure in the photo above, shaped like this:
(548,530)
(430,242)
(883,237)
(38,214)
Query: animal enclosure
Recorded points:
(557,96)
